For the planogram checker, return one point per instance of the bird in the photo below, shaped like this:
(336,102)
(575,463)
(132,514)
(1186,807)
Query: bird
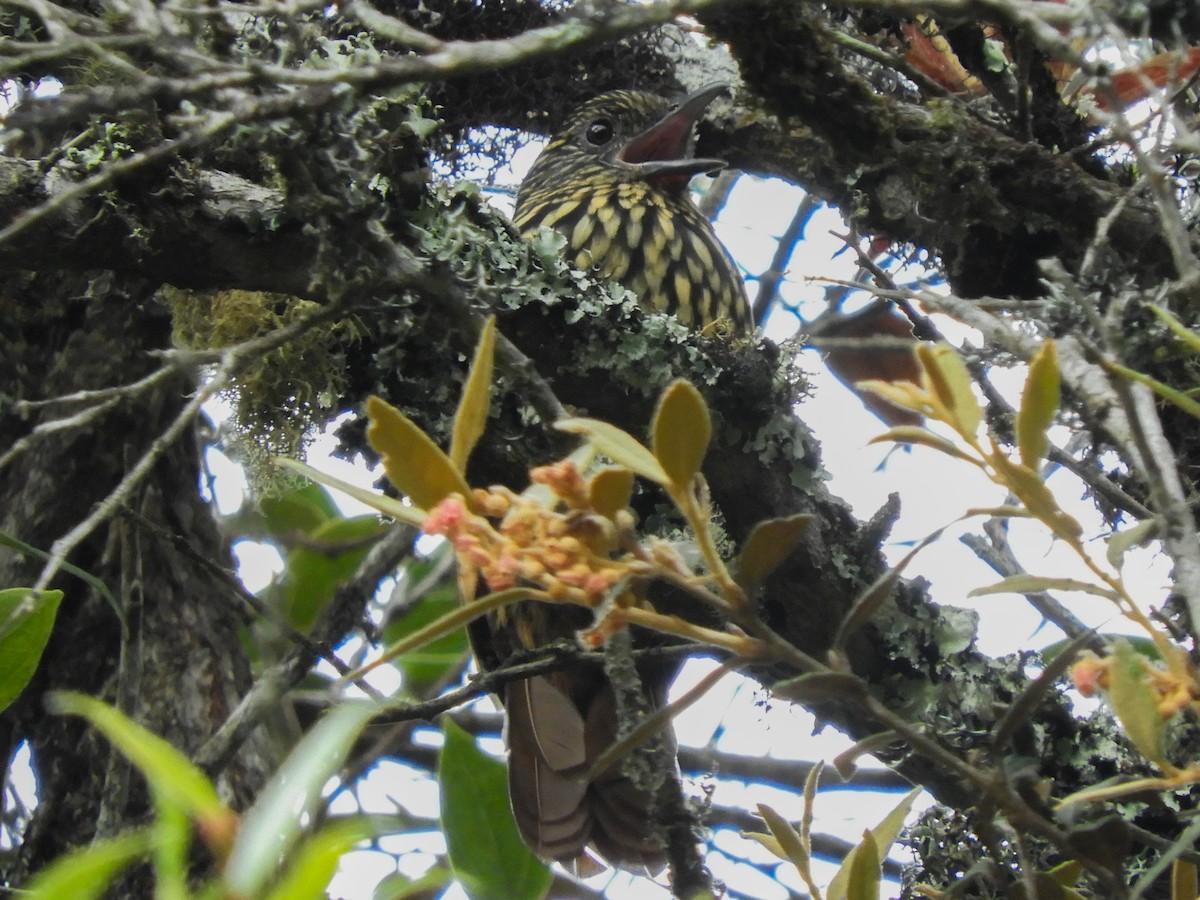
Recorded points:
(613,181)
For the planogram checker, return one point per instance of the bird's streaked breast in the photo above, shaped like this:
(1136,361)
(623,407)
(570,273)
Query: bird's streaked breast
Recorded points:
(660,248)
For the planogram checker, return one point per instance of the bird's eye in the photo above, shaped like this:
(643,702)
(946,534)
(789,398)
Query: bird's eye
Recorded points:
(599,132)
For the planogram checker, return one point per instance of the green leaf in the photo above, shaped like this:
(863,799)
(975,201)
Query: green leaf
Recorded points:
(311,576)
(619,446)
(413,462)
(399,887)
(85,873)
(446,624)
(271,827)
(171,775)
(304,510)
(769,544)
(172,836)
(472,415)
(486,852)
(26,620)
(1134,701)
(680,432)
(1039,405)
(429,663)
(949,381)
(313,865)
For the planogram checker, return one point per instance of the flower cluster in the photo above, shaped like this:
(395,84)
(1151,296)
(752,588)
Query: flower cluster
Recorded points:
(1171,693)
(565,548)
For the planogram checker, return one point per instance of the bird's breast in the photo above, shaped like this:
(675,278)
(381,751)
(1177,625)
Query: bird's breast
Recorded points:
(660,248)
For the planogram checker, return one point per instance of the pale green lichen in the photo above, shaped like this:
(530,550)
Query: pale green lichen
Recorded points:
(285,395)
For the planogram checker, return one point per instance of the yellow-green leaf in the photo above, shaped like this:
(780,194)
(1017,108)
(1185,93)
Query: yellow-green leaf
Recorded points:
(846,762)
(312,866)
(472,415)
(1067,874)
(769,544)
(904,394)
(882,837)
(619,446)
(1134,701)
(26,620)
(680,432)
(1036,584)
(273,825)
(1038,499)
(787,839)
(84,873)
(610,490)
(373,499)
(948,380)
(171,775)
(1181,331)
(400,887)
(1183,881)
(1039,405)
(446,624)
(915,434)
(862,883)
(998,512)
(1168,393)
(413,462)
(1121,542)
(767,841)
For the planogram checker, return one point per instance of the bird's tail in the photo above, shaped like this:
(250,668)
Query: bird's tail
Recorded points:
(552,743)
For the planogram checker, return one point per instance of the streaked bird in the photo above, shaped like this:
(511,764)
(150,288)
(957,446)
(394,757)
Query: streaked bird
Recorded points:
(614,182)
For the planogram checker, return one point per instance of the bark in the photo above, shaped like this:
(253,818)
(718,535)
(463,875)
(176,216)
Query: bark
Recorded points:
(179,666)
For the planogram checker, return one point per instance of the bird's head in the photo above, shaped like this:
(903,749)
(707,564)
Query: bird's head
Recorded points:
(624,137)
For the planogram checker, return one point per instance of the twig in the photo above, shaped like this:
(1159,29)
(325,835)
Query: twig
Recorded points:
(996,552)
(273,683)
(1161,473)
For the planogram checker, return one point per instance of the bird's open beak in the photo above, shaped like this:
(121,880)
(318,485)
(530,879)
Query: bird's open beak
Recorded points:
(660,153)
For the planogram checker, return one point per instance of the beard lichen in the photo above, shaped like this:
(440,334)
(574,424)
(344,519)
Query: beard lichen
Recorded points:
(281,398)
